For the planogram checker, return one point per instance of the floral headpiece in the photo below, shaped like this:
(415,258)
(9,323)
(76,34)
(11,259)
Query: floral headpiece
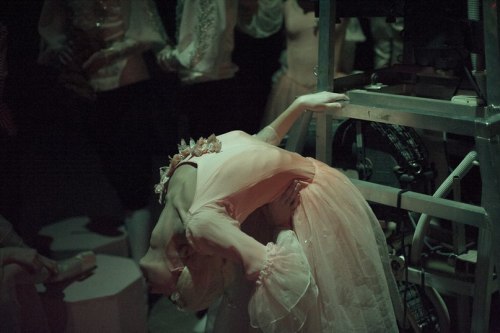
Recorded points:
(195,148)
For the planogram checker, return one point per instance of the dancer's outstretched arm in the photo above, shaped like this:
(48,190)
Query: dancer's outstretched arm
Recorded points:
(316,102)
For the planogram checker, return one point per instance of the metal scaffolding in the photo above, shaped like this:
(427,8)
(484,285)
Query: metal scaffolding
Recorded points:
(480,122)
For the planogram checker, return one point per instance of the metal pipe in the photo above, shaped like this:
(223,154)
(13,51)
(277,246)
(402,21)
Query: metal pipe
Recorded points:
(474,14)
(444,189)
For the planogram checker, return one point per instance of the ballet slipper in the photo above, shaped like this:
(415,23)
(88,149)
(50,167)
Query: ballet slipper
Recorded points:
(74,267)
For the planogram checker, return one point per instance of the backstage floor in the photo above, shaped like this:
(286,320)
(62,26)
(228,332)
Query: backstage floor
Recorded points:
(164,317)
(62,178)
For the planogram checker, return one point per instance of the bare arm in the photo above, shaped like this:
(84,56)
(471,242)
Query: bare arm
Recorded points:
(316,102)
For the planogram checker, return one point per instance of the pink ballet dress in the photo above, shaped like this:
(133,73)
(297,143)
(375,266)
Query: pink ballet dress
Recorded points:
(330,274)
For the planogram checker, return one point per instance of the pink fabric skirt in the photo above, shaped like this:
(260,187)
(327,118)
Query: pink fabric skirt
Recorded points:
(344,243)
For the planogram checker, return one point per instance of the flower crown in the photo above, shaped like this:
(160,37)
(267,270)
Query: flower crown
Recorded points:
(195,148)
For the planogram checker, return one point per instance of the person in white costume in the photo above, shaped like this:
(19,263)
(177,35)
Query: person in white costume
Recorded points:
(202,55)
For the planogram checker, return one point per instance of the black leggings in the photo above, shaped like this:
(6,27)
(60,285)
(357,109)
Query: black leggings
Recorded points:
(120,127)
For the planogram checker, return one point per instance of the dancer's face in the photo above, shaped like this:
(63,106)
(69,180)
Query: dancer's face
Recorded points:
(163,263)
(169,250)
